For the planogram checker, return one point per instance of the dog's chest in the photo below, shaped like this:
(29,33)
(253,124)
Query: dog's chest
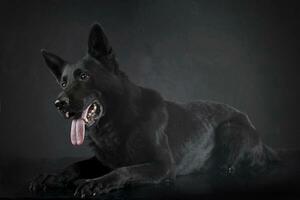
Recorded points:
(107,146)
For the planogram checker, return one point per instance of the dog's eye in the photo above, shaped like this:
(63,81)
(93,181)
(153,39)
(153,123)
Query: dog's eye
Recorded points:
(64,84)
(84,76)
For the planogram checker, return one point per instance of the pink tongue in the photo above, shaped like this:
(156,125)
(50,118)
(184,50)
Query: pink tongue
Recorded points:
(77,131)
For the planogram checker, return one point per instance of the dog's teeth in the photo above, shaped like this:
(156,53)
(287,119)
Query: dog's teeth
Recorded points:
(67,114)
(91,114)
(85,120)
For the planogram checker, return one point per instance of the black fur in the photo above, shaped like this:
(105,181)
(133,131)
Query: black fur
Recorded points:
(143,138)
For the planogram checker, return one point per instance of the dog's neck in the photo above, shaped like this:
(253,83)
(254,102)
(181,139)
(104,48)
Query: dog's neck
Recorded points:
(128,102)
(124,106)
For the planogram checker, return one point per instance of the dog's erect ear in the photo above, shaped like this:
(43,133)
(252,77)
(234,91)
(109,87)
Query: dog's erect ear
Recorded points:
(98,45)
(100,49)
(55,63)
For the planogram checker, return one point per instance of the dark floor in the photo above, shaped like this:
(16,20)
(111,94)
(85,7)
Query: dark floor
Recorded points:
(281,183)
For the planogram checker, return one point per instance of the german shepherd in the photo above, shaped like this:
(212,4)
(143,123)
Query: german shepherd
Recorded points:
(136,135)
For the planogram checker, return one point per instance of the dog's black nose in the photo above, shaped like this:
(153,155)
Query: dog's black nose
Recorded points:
(61,103)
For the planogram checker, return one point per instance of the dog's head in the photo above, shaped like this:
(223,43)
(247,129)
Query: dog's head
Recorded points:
(87,85)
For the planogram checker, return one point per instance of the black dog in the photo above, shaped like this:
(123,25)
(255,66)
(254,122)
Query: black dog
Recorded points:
(137,136)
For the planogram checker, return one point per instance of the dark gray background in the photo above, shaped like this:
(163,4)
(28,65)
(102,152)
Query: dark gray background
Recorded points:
(244,53)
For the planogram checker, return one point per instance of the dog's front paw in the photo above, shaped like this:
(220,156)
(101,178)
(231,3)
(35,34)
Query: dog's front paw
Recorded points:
(93,187)
(47,181)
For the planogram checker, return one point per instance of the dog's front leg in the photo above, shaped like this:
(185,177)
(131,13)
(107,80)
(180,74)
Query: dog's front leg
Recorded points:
(89,168)
(136,174)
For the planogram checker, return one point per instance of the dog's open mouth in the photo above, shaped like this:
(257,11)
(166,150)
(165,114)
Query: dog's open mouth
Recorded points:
(89,116)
